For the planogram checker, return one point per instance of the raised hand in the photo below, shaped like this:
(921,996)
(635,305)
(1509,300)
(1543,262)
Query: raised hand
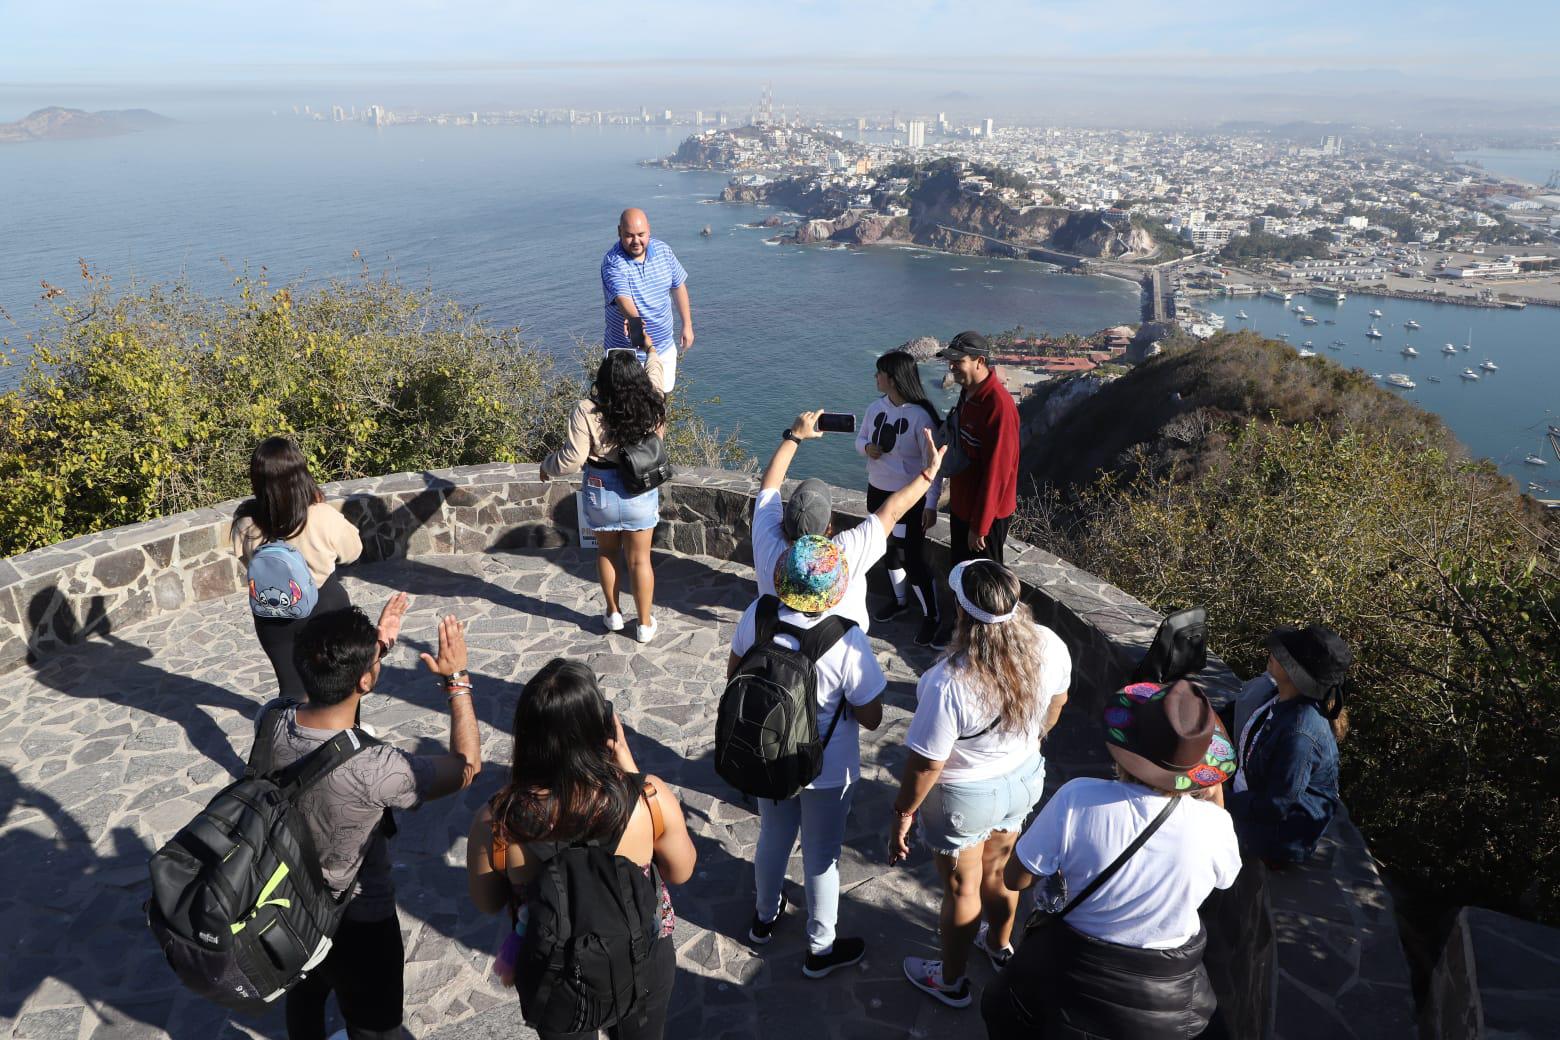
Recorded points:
(452,648)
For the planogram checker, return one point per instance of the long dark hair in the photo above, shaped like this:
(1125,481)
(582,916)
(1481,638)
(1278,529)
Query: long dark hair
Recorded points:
(564,783)
(1001,663)
(631,408)
(905,375)
(283,489)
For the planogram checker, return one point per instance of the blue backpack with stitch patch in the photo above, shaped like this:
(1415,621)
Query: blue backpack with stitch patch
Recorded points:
(280,585)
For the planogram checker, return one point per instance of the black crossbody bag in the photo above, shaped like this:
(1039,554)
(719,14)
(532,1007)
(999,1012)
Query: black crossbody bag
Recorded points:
(1043,917)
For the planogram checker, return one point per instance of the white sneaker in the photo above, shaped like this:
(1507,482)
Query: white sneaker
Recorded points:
(644,633)
(999,958)
(926,976)
(613,621)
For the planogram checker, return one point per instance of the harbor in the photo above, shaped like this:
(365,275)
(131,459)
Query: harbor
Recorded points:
(1498,388)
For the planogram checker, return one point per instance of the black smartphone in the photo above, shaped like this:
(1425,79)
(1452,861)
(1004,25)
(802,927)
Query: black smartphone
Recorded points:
(636,331)
(836,422)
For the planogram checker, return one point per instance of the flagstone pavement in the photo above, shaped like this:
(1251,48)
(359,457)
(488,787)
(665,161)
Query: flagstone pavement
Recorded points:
(107,748)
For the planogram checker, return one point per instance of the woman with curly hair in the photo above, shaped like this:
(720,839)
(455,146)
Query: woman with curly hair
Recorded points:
(626,406)
(975,770)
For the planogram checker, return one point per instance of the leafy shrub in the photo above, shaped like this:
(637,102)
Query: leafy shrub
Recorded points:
(142,403)
(1443,582)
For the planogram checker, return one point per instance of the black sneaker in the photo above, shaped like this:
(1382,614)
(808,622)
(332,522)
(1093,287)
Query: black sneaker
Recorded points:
(890,610)
(845,953)
(927,635)
(760,930)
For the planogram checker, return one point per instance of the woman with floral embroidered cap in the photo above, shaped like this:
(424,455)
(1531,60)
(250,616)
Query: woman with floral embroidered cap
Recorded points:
(1116,946)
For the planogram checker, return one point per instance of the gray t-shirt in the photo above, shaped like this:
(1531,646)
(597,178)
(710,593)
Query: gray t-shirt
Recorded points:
(343,810)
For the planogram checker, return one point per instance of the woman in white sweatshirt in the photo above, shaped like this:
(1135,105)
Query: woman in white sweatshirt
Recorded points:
(890,438)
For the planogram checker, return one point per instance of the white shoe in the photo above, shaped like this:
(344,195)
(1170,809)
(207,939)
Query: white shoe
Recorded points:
(644,633)
(999,958)
(613,621)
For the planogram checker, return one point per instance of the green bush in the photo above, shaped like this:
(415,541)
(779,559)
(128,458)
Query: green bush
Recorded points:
(1443,582)
(147,402)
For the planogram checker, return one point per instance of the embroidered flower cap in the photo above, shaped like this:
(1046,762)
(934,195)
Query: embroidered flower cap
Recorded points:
(812,575)
(1168,736)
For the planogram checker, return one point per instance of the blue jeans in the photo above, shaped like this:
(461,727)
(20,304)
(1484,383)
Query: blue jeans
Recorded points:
(610,507)
(820,816)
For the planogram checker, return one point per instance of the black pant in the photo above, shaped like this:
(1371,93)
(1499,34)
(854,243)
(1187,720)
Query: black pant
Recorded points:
(908,553)
(277,638)
(648,1021)
(959,540)
(363,968)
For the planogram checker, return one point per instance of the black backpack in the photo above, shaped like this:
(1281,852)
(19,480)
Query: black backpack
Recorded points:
(644,466)
(584,962)
(766,731)
(239,905)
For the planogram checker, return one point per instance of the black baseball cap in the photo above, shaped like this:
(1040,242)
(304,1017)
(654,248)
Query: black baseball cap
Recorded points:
(967,344)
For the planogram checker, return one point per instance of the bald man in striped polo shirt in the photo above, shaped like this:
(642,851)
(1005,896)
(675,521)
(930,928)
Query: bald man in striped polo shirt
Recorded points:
(640,277)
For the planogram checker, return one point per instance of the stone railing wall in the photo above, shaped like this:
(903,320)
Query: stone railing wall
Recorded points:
(57,596)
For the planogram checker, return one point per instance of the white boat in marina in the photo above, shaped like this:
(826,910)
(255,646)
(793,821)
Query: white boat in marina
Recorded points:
(1242,315)
(1411,324)
(1470,375)
(1536,488)
(1399,379)
(1306,319)
(1372,333)
(1298,308)
(1450,348)
(1489,366)
(1434,379)
(1534,460)
(1328,295)
(1375,313)
(1281,335)
(1275,294)
(1307,353)
(1336,344)
(1408,351)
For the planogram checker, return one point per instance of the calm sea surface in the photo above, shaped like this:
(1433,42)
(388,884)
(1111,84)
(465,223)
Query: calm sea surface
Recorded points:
(514,220)
(1501,416)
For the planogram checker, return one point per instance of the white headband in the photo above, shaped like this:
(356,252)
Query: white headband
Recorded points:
(956,579)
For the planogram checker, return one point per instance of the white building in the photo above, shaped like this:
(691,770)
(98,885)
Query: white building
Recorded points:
(917,133)
(989,129)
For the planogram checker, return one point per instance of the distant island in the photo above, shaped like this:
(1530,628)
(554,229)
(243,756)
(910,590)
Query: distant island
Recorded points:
(57,124)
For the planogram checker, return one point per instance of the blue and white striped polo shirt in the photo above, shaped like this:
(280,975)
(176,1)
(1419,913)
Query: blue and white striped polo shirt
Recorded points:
(649,284)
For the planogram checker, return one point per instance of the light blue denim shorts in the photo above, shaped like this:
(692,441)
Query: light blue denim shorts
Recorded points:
(956,816)
(608,507)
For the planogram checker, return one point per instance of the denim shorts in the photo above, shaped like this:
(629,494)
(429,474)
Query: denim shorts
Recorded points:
(608,507)
(956,816)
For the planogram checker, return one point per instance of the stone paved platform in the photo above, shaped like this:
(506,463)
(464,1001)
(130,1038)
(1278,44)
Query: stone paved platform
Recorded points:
(107,748)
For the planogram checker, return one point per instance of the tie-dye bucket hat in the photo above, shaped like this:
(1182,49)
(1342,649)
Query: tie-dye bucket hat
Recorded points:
(1168,736)
(812,575)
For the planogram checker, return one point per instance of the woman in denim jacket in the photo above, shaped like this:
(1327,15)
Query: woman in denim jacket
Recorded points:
(1287,789)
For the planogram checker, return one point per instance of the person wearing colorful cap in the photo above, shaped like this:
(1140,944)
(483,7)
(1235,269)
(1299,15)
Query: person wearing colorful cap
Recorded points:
(1286,792)
(982,462)
(810,511)
(975,769)
(810,581)
(1125,960)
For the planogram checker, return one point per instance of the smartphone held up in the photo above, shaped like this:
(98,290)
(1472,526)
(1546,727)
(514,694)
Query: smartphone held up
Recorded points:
(836,422)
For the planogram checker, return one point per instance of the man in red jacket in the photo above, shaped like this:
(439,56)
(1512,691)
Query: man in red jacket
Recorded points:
(984,492)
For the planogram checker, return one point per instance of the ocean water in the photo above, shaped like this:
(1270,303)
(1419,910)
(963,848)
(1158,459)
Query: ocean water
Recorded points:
(514,221)
(1532,165)
(1502,416)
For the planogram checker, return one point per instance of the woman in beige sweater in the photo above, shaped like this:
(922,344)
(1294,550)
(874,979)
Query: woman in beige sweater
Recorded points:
(626,405)
(289,507)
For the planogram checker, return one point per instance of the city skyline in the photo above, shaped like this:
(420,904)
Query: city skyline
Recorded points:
(1422,62)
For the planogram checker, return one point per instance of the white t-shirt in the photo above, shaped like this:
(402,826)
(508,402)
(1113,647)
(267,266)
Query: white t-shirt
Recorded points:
(862,545)
(948,708)
(1152,901)
(895,428)
(848,670)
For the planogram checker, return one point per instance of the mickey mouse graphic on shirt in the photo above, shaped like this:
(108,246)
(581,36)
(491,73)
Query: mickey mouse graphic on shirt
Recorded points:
(885,434)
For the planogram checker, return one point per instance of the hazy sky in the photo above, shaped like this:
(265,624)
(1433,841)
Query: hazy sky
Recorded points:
(994,55)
